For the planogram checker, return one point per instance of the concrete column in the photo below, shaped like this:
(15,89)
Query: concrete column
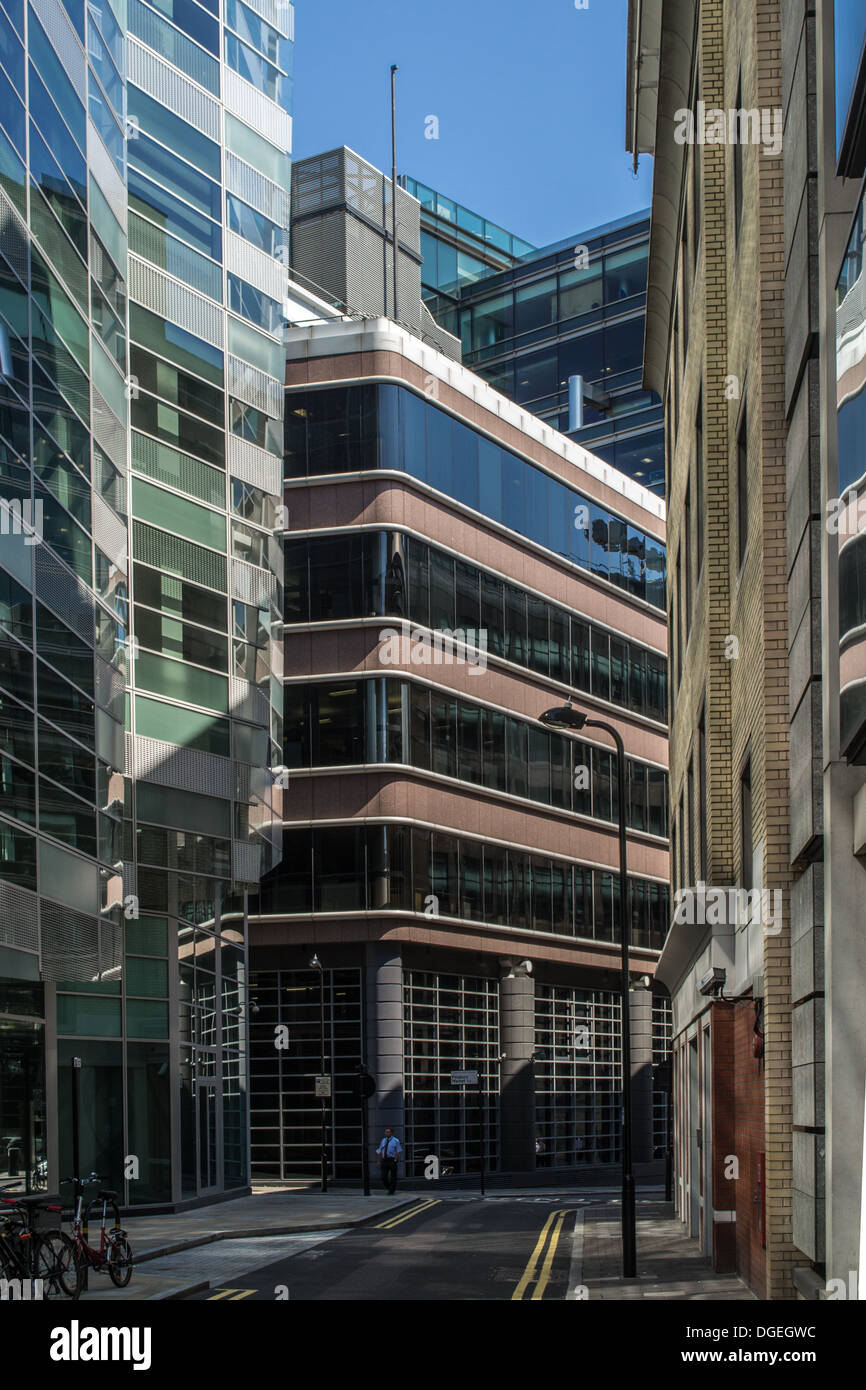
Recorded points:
(641,1033)
(384,998)
(517,1100)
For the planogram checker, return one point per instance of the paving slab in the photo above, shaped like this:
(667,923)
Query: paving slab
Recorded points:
(670,1265)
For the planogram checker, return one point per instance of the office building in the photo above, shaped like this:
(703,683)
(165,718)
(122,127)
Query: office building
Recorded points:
(530,319)
(453,568)
(715,321)
(761,283)
(144,213)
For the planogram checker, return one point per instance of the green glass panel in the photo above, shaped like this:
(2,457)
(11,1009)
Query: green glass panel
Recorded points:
(84,1016)
(253,148)
(148,936)
(255,348)
(177,681)
(146,977)
(146,1019)
(162,508)
(186,728)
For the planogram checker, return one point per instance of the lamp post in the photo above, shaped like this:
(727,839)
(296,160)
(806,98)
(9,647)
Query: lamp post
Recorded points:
(574,720)
(316,964)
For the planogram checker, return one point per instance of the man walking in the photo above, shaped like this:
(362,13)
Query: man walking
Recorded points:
(388,1152)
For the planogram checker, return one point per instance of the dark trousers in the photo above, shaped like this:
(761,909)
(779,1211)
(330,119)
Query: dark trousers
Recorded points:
(389,1174)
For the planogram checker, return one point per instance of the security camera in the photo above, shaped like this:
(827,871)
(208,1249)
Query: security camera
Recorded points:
(713,983)
(526,967)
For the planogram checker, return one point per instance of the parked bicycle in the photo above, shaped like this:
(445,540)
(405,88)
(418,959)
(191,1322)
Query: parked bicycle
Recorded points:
(33,1246)
(114,1252)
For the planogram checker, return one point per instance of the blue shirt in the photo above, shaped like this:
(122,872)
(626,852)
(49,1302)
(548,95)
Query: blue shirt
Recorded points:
(390,1148)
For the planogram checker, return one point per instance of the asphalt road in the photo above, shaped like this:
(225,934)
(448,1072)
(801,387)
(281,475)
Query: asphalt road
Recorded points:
(428,1250)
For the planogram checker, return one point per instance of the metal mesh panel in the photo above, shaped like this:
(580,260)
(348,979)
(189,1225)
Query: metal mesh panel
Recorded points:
(64,592)
(319,255)
(13,236)
(264,272)
(248,702)
(166,297)
(110,948)
(103,169)
(252,584)
(258,389)
(365,276)
(261,113)
(18,917)
(108,430)
(109,688)
(60,31)
(247,862)
(364,188)
(318,183)
(260,192)
(109,532)
(186,768)
(177,556)
(170,89)
(187,474)
(70,943)
(254,465)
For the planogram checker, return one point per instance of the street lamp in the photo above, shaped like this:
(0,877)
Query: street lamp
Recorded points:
(316,964)
(574,720)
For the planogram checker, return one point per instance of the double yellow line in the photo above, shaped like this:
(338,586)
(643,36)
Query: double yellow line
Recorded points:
(550,1233)
(413,1211)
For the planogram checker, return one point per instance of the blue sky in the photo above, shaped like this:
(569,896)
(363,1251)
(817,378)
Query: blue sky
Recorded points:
(530,99)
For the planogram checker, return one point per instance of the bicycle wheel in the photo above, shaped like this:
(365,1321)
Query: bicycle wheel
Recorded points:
(58,1265)
(119,1259)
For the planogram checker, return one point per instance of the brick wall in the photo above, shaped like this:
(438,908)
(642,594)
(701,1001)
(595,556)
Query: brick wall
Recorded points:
(735,356)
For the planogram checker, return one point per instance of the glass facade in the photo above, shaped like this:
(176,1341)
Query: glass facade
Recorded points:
(450,1023)
(336,577)
(285,1116)
(529,319)
(381,868)
(374,721)
(136,394)
(849,23)
(851,486)
(578,1046)
(352,429)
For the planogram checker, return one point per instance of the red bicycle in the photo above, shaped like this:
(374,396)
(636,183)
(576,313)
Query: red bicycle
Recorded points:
(114,1253)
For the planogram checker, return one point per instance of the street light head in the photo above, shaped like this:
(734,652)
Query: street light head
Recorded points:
(565,717)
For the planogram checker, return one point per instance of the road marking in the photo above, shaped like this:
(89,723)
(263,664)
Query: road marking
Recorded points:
(551,1228)
(529,1272)
(413,1211)
(544,1277)
(231,1294)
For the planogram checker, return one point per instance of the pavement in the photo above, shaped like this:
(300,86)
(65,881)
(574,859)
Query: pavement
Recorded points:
(669,1264)
(263,1231)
